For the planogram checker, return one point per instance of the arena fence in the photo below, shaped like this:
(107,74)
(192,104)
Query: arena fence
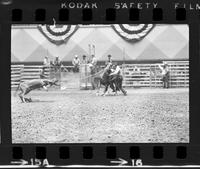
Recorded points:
(16,74)
(149,75)
(135,75)
(85,77)
(20,73)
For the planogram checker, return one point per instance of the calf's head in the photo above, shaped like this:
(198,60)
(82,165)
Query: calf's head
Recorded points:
(51,82)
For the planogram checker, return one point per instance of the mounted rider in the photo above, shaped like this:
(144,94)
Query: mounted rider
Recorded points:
(105,79)
(116,72)
(116,78)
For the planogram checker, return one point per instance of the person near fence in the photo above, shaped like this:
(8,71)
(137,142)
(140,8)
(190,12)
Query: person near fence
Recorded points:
(109,60)
(93,62)
(76,63)
(165,75)
(42,73)
(92,66)
(84,60)
(46,61)
(57,63)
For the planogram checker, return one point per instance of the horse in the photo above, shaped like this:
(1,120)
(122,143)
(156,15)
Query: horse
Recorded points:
(103,78)
(117,80)
(114,81)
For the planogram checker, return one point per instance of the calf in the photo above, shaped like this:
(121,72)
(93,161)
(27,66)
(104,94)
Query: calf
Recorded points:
(27,86)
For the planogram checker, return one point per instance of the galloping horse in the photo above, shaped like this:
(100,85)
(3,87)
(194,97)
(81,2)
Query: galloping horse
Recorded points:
(103,78)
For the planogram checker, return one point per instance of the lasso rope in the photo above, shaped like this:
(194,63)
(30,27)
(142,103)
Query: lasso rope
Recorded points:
(92,75)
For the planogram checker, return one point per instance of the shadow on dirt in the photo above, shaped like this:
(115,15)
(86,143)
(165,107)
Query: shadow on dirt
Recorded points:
(40,101)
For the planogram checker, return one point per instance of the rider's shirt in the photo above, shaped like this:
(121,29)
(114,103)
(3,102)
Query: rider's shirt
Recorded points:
(117,71)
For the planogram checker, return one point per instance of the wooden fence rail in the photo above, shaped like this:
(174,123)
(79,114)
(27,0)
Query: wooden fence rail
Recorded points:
(16,75)
(149,75)
(135,75)
(20,73)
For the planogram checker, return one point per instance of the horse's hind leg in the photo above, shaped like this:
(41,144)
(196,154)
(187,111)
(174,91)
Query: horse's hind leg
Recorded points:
(123,90)
(112,87)
(105,90)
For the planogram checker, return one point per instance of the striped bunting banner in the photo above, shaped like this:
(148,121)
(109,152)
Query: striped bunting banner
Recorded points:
(132,32)
(58,34)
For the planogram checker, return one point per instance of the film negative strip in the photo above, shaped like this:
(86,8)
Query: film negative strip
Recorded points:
(100,84)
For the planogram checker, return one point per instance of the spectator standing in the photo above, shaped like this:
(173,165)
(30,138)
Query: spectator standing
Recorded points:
(92,66)
(109,59)
(46,62)
(42,73)
(76,63)
(57,63)
(84,60)
(165,75)
(93,61)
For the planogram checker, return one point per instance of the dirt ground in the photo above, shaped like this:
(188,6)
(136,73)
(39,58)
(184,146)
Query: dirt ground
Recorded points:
(79,116)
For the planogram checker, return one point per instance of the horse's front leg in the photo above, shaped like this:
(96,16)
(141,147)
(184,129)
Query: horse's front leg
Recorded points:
(115,88)
(105,90)
(112,86)
(122,89)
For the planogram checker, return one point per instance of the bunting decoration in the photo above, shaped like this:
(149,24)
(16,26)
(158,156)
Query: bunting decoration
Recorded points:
(58,34)
(132,32)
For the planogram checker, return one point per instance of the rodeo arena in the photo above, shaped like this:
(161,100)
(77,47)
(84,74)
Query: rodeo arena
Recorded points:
(100,83)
